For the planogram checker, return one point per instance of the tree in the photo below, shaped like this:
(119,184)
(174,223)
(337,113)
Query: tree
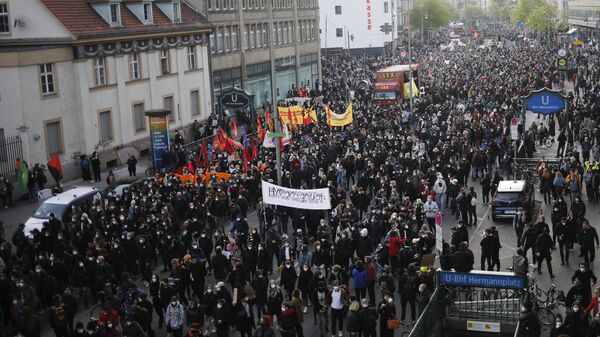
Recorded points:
(432,13)
(542,18)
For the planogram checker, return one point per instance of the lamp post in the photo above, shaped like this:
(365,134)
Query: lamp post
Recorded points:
(410,76)
(426,17)
(274,109)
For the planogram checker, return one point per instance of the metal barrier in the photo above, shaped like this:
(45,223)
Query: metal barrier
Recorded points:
(11,149)
(434,312)
(499,305)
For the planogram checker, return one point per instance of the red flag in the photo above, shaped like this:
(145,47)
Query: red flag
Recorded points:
(205,153)
(259,130)
(254,151)
(54,167)
(234,128)
(269,121)
(190,167)
(246,159)
(229,145)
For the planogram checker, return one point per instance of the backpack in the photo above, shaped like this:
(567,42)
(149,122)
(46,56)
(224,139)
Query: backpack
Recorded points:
(60,316)
(411,284)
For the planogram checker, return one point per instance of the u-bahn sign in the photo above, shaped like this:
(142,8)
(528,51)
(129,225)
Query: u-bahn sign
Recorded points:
(235,99)
(545,101)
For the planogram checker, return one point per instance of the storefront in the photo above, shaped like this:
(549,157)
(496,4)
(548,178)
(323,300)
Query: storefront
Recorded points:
(259,82)
(286,75)
(309,69)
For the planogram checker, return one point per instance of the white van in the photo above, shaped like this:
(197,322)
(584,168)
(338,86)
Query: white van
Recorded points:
(60,205)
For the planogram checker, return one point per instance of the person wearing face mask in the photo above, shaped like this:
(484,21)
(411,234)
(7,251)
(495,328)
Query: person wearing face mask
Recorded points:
(306,276)
(576,321)
(274,301)
(288,278)
(585,276)
(209,301)
(260,284)
(79,330)
(175,317)
(529,323)
(519,221)
(561,234)
(386,310)
(222,318)
(339,302)
(30,325)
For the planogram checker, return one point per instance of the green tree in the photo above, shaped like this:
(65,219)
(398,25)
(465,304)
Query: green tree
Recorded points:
(432,13)
(542,18)
(524,9)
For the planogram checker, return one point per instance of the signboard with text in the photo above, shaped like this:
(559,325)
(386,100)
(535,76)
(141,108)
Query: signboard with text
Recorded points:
(483,279)
(159,138)
(545,101)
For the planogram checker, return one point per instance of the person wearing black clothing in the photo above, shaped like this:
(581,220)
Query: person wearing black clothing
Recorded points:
(260,284)
(222,317)
(487,244)
(463,259)
(368,319)
(264,329)
(288,320)
(131,165)
(95,161)
(519,221)
(561,235)
(57,317)
(529,323)
(576,320)
(407,287)
(559,329)
(544,247)
(585,276)
(528,240)
(587,237)
(386,310)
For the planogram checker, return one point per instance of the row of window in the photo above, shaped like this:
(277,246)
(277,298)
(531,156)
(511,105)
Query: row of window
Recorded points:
(255,35)
(147,15)
(54,130)
(229,5)
(4,20)
(135,70)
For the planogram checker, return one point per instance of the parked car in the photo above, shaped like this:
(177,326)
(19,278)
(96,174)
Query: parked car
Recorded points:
(510,195)
(60,205)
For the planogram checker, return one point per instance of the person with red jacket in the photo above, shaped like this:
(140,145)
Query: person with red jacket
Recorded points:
(594,304)
(393,243)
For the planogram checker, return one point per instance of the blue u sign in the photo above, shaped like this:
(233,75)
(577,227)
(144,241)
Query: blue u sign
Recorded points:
(545,101)
(483,279)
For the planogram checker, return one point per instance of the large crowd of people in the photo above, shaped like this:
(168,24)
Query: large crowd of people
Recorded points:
(185,255)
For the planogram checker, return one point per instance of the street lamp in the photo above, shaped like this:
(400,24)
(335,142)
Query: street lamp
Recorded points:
(426,17)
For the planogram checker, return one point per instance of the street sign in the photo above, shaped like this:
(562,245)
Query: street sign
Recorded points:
(277,134)
(483,326)
(439,238)
(562,52)
(386,28)
(545,101)
(561,63)
(485,279)
(514,128)
(234,100)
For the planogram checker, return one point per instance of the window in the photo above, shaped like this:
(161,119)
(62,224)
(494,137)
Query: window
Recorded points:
(217,4)
(246,37)
(115,14)
(165,63)
(312,30)
(285,33)
(47,78)
(251,38)
(259,35)
(386,8)
(99,71)
(191,56)
(4,20)
(147,7)
(54,139)
(265,37)
(134,66)
(139,119)
(105,126)
(227,38)
(338,10)
(280,32)
(168,104)
(195,102)
(339,32)
(212,42)
(176,12)
(220,39)
(244,4)
(301,36)
(234,41)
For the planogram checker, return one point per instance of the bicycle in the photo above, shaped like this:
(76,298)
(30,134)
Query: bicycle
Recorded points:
(547,142)
(150,170)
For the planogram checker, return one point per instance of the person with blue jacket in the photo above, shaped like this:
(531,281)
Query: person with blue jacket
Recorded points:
(175,317)
(359,279)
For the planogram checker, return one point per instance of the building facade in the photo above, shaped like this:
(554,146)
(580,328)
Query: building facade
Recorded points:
(357,24)
(77,75)
(239,46)
(585,16)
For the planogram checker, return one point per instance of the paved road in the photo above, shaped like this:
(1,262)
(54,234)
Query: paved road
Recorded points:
(23,210)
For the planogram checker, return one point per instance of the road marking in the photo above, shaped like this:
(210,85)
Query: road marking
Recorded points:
(479,224)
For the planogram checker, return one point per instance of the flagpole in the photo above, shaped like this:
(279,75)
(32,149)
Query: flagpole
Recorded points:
(274,91)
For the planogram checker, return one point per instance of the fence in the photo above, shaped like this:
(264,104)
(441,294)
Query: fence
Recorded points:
(500,305)
(432,314)
(11,149)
